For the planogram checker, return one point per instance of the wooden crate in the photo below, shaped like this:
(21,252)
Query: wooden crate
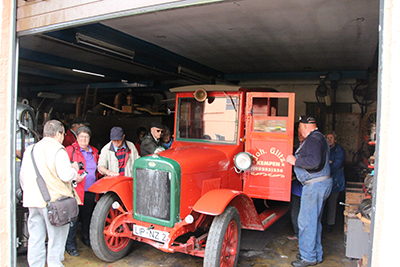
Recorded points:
(354,196)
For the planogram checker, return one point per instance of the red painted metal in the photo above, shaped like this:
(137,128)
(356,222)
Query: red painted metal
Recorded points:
(121,185)
(213,169)
(214,202)
(209,182)
(229,246)
(269,138)
(114,241)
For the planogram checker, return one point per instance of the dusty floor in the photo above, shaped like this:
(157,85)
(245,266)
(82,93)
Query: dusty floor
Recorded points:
(269,248)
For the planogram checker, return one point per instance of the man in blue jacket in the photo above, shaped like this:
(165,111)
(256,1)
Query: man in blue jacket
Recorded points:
(311,165)
(336,160)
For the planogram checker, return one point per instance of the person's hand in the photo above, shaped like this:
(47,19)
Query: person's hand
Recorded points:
(79,179)
(111,173)
(75,165)
(291,159)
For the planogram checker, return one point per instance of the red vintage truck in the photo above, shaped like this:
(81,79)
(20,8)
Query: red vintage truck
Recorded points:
(229,151)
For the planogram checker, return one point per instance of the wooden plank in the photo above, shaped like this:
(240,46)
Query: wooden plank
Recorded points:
(33,8)
(46,13)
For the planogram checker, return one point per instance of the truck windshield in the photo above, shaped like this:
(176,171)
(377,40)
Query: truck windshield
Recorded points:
(214,119)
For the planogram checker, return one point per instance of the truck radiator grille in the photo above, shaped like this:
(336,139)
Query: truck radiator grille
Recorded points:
(153,193)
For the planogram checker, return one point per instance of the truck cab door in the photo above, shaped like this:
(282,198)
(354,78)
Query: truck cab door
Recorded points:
(269,139)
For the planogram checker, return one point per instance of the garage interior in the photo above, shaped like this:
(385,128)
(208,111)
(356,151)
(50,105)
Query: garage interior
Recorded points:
(118,72)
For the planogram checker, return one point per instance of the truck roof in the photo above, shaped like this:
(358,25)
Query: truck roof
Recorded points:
(207,87)
(218,88)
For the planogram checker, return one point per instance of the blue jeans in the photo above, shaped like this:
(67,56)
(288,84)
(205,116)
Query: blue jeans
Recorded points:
(310,227)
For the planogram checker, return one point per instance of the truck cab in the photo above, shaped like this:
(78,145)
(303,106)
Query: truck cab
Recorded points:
(229,151)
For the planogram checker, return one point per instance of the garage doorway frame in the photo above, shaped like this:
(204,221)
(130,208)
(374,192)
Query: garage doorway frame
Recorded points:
(14,86)
(385,145)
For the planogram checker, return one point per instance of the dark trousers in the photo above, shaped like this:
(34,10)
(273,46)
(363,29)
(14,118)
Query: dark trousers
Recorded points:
(294,213)
(85,214)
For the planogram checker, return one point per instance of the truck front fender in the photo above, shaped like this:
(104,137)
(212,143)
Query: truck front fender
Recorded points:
(214,203)
(121,185)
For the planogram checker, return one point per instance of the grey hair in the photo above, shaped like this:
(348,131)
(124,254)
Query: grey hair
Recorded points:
(332,133)
(83,129)
(52,127)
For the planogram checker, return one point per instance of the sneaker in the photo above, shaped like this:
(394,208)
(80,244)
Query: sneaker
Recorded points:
(73,252)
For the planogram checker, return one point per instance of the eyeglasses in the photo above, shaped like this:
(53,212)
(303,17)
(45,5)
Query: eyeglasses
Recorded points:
(160,131)
(84,136)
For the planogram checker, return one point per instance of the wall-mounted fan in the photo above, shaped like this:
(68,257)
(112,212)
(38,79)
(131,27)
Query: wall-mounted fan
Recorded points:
(322,93)
(364,93)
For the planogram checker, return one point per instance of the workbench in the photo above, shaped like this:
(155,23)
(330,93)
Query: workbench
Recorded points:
(356,227)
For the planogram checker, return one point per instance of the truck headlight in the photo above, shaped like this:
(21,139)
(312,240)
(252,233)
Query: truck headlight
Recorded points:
(243,161)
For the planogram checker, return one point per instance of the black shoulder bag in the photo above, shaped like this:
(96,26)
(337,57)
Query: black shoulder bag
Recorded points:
(60,212)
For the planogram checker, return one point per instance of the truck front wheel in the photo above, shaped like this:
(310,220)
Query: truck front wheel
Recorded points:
(223,241)
(107,247)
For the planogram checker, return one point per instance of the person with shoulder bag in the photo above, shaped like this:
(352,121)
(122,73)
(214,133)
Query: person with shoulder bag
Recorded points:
(46,178)
(87,156)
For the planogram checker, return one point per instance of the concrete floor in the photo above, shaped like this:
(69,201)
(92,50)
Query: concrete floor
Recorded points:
(269,248)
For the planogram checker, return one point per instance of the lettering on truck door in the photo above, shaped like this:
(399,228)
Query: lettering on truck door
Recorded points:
(269,138)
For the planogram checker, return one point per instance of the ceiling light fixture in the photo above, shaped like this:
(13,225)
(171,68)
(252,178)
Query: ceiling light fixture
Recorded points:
(193,75)
(104,46)
(89,73)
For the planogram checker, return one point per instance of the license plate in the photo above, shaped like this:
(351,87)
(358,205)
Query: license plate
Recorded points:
(153,234)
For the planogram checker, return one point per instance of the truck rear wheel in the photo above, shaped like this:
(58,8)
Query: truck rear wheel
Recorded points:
(223,242)
(107,247)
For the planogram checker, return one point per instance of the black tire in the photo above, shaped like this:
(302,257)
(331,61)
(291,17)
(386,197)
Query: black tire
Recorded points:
(223,241)
(107,248)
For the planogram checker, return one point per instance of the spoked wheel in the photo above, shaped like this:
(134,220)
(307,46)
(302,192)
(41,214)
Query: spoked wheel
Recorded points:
(108,247)
(223,242)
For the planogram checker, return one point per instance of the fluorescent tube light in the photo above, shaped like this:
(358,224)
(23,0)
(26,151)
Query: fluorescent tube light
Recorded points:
(105,46)
(193,75)
(89,73)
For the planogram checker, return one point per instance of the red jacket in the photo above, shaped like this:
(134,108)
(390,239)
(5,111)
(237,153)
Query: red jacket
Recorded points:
(69,138)
(75,154)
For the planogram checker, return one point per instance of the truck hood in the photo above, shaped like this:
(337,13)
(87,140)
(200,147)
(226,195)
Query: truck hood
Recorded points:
(193,159)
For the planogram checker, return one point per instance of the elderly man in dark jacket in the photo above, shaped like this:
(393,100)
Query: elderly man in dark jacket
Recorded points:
(152,140)
(311,165)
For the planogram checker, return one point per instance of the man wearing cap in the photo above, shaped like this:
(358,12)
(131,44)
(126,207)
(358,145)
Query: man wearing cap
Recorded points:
(117,157)
(152,140)
(70,135)
(311,166)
